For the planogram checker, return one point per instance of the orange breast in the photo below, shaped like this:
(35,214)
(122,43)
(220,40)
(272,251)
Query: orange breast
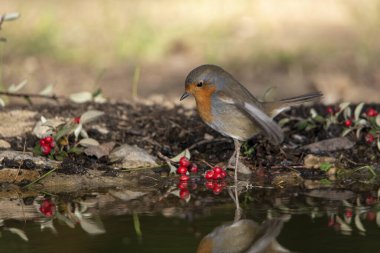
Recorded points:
(204,106)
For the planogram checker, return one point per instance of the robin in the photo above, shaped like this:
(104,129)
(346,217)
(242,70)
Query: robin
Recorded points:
(244,236)
(229,108)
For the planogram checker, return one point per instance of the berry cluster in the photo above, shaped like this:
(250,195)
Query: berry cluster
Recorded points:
(47,208)
(47,144)
(185,167)
(214,179)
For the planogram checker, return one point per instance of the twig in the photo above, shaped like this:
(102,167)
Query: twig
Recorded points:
(41,177)
(28,95)
(19,167)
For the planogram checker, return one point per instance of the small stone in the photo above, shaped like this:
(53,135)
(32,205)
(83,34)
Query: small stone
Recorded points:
(330,145)
(4,144)
(132,157)
(314,162)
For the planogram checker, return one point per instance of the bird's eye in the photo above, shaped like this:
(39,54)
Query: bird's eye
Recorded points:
(200,84)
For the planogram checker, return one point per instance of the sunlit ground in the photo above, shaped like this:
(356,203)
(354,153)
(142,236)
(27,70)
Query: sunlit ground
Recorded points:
(297,46)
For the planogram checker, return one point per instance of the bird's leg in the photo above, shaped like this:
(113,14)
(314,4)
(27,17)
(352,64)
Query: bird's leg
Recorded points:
(237,152)
(230,162)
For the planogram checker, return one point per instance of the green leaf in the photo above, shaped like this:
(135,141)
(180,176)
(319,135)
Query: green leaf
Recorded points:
(378,120)
(313,113)
(325,182)
(347,113)
(358,132)
(66,130)
(48,90)
(10,16)
(343,106)
(302,124)
(283,122)
(90,116)
(269,94)
(319,119)
(325,166)
(346,131)
(358,111)
(81,97)
(185,153)
(14,88)
(75,150)
(2,102)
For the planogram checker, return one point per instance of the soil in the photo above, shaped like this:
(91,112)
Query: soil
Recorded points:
(165,132)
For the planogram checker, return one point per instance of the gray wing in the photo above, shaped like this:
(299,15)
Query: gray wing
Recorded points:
(250,105)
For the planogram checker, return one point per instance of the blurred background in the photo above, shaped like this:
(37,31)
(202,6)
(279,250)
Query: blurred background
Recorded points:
(297,46)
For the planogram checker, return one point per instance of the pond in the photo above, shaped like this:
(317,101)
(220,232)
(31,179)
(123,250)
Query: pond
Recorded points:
(120,220)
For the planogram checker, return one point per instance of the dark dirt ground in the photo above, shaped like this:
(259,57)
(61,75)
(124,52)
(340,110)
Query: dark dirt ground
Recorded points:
(166,132)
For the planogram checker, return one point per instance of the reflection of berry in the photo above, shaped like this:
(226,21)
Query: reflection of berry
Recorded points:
(47,208)
(182,170)
(369,138)
(348,123)
(348,213)
(370,200)
(218,188)
(184,178)
(209,185)
(371,215)
(184,194)
(184,162)
(183,185)
(209,174)
(371,112)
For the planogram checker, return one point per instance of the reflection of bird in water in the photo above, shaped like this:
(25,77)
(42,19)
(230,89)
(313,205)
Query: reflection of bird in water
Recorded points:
(244,236)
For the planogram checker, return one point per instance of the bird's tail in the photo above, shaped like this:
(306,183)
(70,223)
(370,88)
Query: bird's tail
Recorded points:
(275,107)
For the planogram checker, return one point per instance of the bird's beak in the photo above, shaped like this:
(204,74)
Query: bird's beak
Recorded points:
(184,95)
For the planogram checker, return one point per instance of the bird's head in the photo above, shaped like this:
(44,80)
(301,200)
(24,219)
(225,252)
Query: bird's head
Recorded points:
(204,80)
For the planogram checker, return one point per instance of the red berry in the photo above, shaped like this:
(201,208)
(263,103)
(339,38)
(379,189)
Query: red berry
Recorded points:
(183,185)
(209,185)
(52,144)
(223,174)
(348,123)
(209,174)
(76,120)
(47,208)
(217,169)
(49,139)
(46,149)
(194,168)
(182,170)
(348,213)
(43,142)
(184,194)
(184,162)
(217,176)
(369,138)
(184,178)
(371,112)
(330,110)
